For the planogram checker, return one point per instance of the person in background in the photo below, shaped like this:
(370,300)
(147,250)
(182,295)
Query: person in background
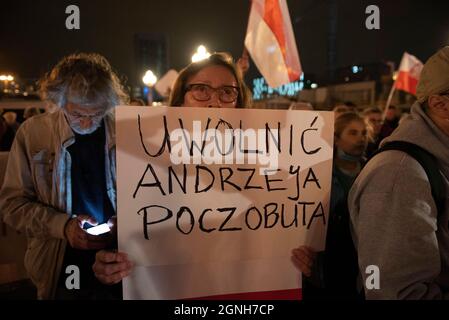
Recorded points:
(391,121)
(215,82)
(352,106)
(6,135)
(373,120)
(243,62)
(11,120)
(339,110)
(61,177)
(31,112)
(332,274)
(136,102)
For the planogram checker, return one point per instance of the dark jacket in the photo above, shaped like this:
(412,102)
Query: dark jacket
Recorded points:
(335,271)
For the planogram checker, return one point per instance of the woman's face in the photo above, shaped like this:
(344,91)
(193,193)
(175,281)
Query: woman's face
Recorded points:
(353,139)
(212,87)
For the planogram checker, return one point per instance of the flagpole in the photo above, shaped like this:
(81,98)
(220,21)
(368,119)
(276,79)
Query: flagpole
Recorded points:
(245,51)
(390,97)
(243,61)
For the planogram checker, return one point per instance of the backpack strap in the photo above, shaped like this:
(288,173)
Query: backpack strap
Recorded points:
(429,164)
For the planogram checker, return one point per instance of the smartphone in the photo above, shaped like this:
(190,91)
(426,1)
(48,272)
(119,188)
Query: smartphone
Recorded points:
(97,230)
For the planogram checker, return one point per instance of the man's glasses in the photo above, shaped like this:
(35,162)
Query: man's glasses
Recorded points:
(203,92)
(77,116)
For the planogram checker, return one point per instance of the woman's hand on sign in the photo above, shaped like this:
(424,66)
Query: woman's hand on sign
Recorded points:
(111,267)
(303,258)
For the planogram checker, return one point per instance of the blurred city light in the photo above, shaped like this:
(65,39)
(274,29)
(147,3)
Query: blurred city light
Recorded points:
(8,77)
(149,78)
(395,75)
(200,54)
(5,77)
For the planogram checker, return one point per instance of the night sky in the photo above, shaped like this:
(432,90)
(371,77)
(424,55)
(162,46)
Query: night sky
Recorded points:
(33,36)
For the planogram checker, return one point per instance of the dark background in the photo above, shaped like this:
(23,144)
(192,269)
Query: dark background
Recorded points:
(33,36)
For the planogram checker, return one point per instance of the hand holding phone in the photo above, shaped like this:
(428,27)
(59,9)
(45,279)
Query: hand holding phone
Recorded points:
(80,238)
(98,229)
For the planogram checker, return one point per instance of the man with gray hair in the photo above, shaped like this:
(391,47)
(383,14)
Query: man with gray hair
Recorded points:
(61,177)
(400,228)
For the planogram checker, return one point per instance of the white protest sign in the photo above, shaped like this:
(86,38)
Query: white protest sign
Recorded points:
(212,201)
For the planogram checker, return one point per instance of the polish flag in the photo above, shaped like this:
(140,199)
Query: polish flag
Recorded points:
(409,73)
(271,42)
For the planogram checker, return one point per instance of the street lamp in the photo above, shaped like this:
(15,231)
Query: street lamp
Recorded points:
(6,78)
(395,76)
(149,79)
(200,54)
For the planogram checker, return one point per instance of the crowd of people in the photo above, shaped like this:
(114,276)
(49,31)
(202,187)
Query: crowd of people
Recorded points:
(9,125)
(393,212)
(333,274)
(61,176)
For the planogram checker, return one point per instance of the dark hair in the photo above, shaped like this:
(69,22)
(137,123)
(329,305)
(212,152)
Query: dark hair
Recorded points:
(350,104)
(215,59)
(371,110)
(342,122)
(85,79)
(341,108)
(137,102)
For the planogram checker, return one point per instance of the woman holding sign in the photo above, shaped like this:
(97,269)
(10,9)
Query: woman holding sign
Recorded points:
(332,274)
(215,82)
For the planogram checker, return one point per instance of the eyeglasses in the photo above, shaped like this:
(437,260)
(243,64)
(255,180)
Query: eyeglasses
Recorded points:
(78,116)
(203,92)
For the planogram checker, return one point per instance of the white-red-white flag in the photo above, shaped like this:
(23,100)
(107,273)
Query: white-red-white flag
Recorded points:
(271,42)
(409,73)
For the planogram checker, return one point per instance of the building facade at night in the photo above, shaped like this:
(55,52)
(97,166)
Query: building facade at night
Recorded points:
(150,53)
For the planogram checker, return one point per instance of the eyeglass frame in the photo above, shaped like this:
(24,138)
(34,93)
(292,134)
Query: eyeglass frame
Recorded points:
(188,88)
(77,117)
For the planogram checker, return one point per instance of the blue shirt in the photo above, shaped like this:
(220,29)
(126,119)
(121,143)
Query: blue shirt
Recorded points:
(89,194)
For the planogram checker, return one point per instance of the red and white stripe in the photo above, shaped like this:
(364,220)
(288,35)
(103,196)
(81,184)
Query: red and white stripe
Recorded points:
(409,73)
(271,42)
(261,279)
